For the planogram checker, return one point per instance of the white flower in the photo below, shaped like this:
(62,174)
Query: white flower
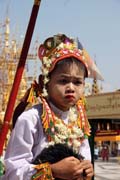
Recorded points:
(62,129)
(48,64)
(57,55)
(51,143)
(45,71)
(46,80)
(71,51)
(68,132)
(62,137)
(57,140)
(61,46)
(73,136)
(78,132)
(44,94)
(76,145)
(73,114)
(69,143)
(45,60)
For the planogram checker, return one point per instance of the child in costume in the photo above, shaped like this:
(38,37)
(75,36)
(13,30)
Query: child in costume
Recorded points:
(59,117)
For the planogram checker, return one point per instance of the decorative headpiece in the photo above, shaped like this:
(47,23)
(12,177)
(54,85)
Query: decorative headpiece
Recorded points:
(59,47)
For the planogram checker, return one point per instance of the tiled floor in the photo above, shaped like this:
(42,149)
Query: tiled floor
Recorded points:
(107,170)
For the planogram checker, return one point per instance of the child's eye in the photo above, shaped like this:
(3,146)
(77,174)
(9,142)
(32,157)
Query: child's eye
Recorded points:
(78,82)
(63,81)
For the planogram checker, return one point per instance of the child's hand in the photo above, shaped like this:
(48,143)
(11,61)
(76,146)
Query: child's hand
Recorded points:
(88,169)
(68,168)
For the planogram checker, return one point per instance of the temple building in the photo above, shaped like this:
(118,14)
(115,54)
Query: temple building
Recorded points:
(103,110)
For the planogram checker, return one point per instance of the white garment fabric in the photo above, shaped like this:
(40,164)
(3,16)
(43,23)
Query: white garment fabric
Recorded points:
(27,141)
(96,151)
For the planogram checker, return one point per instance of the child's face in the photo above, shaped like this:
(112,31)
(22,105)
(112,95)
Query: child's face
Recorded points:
(66,86)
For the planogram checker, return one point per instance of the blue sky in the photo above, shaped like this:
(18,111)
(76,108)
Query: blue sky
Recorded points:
(95,22)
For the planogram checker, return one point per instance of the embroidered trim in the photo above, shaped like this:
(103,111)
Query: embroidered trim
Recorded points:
(43,172)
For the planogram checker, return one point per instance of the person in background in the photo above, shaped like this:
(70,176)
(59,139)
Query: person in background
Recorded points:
(105,153)
(59,117)
(96,153)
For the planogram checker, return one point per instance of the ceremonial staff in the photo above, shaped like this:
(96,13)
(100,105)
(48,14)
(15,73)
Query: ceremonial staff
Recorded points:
(18,75)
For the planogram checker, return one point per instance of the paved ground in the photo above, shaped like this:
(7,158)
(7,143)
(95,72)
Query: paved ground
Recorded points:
(107,170)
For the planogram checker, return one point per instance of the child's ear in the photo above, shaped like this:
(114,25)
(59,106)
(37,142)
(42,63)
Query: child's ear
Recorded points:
(40,81)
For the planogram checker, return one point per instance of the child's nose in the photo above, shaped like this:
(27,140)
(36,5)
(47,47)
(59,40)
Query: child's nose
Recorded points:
(70,87)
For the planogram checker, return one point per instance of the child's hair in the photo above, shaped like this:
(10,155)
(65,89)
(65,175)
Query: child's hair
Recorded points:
(67,62)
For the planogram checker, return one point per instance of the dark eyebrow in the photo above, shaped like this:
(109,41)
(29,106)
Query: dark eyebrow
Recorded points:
(74,77)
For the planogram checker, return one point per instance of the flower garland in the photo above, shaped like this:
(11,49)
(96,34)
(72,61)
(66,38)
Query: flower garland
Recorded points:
(57,131)
(73,133)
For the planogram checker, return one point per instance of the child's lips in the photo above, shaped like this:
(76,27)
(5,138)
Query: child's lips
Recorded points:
(70,97)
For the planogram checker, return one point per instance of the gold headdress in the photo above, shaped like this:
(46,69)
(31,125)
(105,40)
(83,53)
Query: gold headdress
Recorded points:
(59,47)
